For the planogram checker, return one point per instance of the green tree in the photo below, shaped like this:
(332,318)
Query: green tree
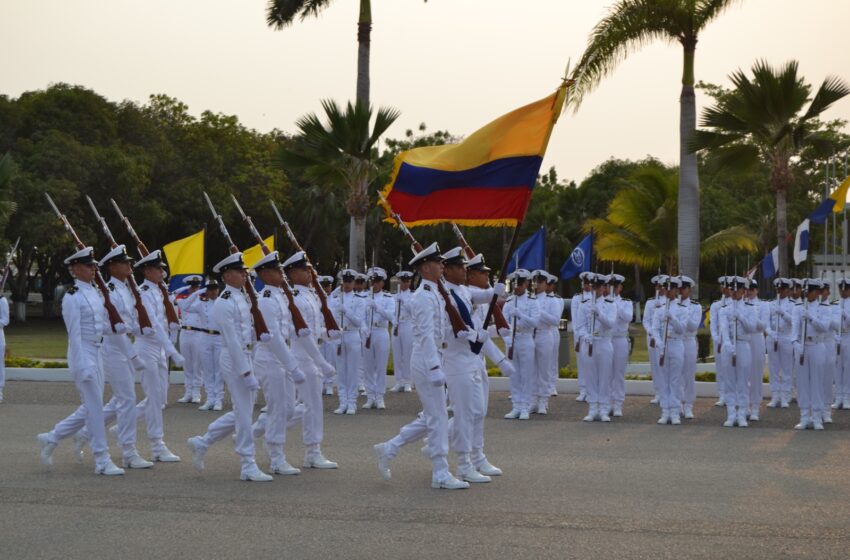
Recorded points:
(628,26)
(342,150)
(640,228)
(764,120)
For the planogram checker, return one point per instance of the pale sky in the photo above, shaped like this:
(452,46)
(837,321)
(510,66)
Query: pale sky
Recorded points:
(453,64)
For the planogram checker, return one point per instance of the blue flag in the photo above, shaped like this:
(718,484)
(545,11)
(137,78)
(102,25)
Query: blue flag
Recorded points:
(579,260)
(531,255)
(770,264)
(822,212)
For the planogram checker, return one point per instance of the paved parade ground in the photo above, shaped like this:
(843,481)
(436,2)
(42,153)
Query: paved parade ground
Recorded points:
(629,489)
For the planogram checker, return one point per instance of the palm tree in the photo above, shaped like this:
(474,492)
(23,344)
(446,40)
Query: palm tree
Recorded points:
(282,13)
(629,25)
(641,226)
(341,151)
(763,121)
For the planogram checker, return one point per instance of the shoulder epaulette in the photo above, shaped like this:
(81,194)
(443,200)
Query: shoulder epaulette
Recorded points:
(680,304)
(800,303)
(364,297)
(267,293)
(73,290)
(295,292)
(111,286)
(695,301)
(145,288)
(750,304)
(426,287)
(550,295)
(532,297)
(203,298)
(225,294)
(387,294)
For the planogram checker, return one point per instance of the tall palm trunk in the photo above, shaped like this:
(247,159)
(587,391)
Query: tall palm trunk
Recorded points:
(358,208)
(688,207)
(357,226)
(780,181)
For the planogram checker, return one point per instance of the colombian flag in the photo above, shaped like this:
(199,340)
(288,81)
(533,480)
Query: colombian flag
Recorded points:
(185,256)
(485,180)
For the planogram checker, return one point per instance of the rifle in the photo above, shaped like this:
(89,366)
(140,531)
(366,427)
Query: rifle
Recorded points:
(144,320)
(112,313)
(297,319)
(170,312)
(8,268)
(260,328)
(513,336)
(804,293)
(666,326)
(454,315)
(498,316)
(368,343)
(330,322)
(397,311)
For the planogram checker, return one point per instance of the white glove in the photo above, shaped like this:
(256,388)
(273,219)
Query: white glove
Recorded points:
(437,377)
(730,348)
(148,331)
(173,327)
(506,367)
(327,368)
(304,332)
(467,334)
(251,382)
(482,336)
(334,335)
(297,376)
(177,359)
(370,304)
(504,332)
(120,328)
(265,337)
(138,363)
(499,289)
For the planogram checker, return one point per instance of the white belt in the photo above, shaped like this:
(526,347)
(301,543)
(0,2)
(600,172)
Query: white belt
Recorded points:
(93,338)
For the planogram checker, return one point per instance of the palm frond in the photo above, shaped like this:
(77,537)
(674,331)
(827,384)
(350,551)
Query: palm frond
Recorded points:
(729,240)
(831,90)
(282,13)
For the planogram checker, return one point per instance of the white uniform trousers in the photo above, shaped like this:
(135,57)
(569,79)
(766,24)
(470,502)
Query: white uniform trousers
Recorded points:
(842,370)
(653,365)
(719,370)
(279,402)
(310,394)
(328,352)
(122,405)
(524,371)
(810,381)
(348,361)
(554,370)
(737,377)
(582,365)
(191,348)
(433,423)
(780,362)
(237,420)
(620,346)
(483,394)
(3,361)
(829,365)
(209,360)
(90,413)
(757,348)
(156,370)
(463,380)
(689,371)
(670,375)
(375,359)
(599,378)
(543,354)
(402,346)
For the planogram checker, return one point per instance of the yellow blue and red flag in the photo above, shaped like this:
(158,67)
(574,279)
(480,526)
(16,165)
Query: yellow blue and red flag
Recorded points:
(185,256)
(484,180)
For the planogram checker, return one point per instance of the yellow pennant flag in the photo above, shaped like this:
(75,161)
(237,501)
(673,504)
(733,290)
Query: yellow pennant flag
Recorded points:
(185,256)
(839,195)
(253,254)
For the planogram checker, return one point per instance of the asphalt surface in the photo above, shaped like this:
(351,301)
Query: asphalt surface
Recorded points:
(629,489)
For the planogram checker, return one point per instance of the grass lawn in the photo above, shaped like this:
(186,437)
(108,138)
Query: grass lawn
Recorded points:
(37,338)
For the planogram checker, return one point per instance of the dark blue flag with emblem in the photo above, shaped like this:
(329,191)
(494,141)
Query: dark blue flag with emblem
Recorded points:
(531,255)
(579,260)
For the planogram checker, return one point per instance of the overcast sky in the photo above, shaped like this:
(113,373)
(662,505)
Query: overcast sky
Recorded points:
(453,64)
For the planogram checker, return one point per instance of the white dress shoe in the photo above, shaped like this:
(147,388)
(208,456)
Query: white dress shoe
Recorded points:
(604,417)
(199,451)
(487,469)
(340,409)
(730,422)
(80,442)
(845,404)
(784,404)
(408,388)
(524,415)
(136,462)
(46,449)
(329,391)
(318,462)
(689,414)
(383,461)
(196,399)
(351,410)
(836,405)
(396,388)
(773,403)
(541,410)
(513,414)
(582,397)
(664,419)
(284,468)
(165,456)
(754,417)
(264,409)
(742,421)
(589,418)
(675,420)
(720,402)
(254,474)
(473,476)
(380,405)
(368,404)
(827,418)
(361,389)
(218,406)
(449,482)
(206,406)
(818,425)
(654,400)
(554,393)
(113,429)
(185,399)
(618,411)
(109,469)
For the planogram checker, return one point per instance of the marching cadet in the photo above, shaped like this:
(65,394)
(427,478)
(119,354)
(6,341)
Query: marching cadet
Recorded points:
(361,288)
(576,317)
(347,307)
(329,346)
(232,316)
(86,321)
(648,310)
(191,340)
(310,361)
(599,320)
(810,324)
(757,348)
(780,351)
(522,313)
(120,361)
(380,315)
(829,351)
(153,351)
(668,330)
(275,366)
(714,327)
(4,322)
(737,322)
(478,280)
(199,305)
(842,370)
(402,333)
(429,326)
(544,344)
(693,318)
(620,343)
(551,286)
